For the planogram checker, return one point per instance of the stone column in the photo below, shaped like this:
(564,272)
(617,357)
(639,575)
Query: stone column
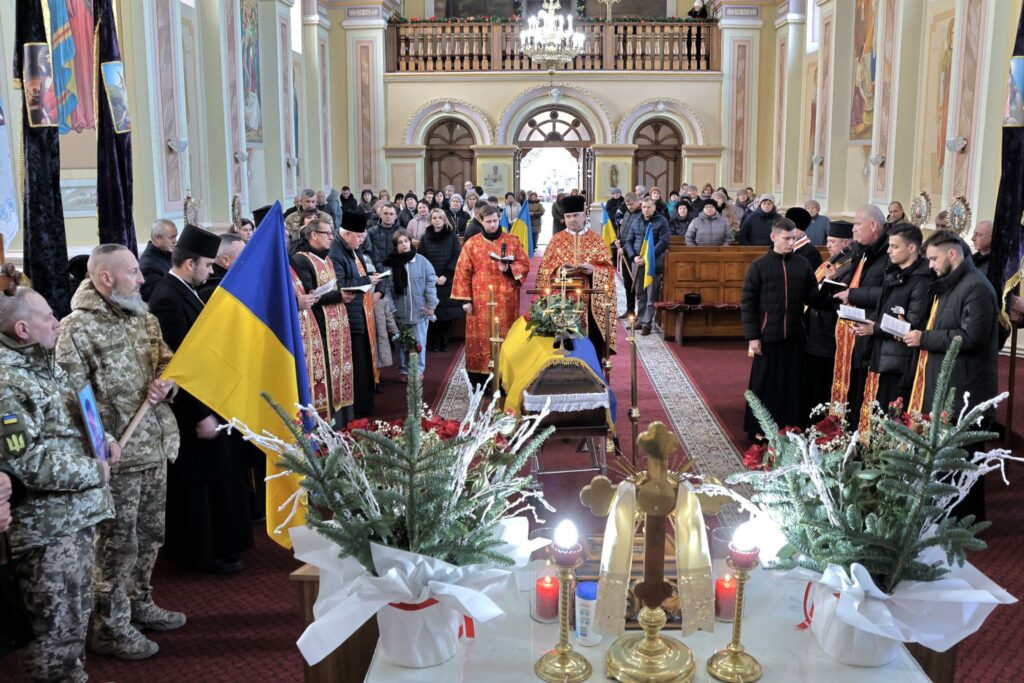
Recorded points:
(494,168)
(317,76)
(365,25)
(150,36)
(790,48)
(740,28)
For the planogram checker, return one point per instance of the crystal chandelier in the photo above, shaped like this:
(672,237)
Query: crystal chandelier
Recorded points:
(548,38)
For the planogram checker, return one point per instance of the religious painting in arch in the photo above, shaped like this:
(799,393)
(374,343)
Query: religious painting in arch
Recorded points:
(812,115)
(937,71)
(117,95)
(251,98)
(865,67)
(449,153)
(658,159)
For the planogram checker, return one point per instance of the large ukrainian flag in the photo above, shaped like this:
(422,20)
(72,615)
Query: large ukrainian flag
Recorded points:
(607,228)
(647,254)
(521,229)
(247,341)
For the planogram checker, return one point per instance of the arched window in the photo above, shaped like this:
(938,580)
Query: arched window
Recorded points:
(554,128)
(449,154)
(659,156)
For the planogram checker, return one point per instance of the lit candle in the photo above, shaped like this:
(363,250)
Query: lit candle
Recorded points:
(725,598)
(743,550)
(546,598)
(566,550)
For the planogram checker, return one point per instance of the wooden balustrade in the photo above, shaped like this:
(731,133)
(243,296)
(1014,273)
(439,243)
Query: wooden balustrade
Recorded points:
(619,46)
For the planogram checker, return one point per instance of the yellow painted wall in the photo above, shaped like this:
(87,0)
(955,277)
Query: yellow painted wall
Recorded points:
(765,101)
(338,99)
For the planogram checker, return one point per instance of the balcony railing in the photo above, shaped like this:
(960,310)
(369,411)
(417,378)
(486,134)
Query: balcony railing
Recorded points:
(616,46)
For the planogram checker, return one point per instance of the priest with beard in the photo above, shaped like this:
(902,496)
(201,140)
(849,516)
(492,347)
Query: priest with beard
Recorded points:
(580,254)
(207,514)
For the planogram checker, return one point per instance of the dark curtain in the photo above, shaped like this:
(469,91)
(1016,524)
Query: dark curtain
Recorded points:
(46,248)
(113,148)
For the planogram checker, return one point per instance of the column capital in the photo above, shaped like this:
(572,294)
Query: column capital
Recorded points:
(365,15)
(737,14)
(697,151)
(613,150)
(403,151)
(493,150)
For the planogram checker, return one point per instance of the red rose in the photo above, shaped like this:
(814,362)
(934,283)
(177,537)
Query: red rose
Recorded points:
(397,423)
(790,430)
(830,428)
(450,429)
(419,348)
(361,423)
(753,459)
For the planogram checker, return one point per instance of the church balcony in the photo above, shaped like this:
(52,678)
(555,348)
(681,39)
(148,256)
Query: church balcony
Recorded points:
(467,46)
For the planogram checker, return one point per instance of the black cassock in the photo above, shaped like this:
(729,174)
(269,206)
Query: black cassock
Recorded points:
(207,510)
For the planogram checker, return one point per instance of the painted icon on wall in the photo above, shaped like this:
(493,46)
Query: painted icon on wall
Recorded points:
(865,63)
(37,81)
(251,97)
(117,95)
(1015,94)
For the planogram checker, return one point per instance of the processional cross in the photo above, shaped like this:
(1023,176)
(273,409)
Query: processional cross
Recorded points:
(608,4)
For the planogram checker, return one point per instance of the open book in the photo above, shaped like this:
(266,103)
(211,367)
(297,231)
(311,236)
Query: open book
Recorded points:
(325,288)
(506,259)
(831,287)
(853,313)
(357,288)
(895,326)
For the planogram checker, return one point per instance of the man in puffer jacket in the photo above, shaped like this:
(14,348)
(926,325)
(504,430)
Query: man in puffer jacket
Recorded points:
(756,228)
(708,229)
(776,288)
(633,246)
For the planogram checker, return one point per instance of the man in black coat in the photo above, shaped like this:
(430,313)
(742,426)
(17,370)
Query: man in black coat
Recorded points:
(155,260)
(776,288)
(756,228)
(207,515)
(870,259)
(632,244)
(982,241)
(802,218)
(349,204)
(351,271)
(904,296)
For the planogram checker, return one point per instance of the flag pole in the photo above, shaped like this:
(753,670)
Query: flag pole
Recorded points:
(133,425)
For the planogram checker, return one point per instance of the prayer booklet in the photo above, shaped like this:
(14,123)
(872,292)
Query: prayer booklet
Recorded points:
(325,288)
(386,273)
(506,259)
(853,313)
(357,288)
(832,287)
(895,326)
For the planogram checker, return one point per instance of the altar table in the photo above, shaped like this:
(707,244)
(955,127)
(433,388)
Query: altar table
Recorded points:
(505,652)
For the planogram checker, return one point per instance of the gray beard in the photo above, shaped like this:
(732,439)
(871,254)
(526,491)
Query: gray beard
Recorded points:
(131,304)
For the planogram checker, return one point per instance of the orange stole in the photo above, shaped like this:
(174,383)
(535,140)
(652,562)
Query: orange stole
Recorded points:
(338,354)
(845,340)
(371,326)
(920,373)
(870,394)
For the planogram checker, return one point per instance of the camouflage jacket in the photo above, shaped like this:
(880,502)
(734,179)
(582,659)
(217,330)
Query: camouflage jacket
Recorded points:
(42,438)
(121,354)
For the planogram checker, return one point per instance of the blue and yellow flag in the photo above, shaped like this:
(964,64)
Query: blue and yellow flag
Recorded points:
(246,341)
(647,254)
(520,228)
(63,63)
(607,228)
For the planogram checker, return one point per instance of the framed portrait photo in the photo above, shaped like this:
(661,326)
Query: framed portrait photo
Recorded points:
(93,424)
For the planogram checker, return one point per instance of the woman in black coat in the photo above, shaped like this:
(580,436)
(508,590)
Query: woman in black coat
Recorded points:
(440,246)
(456,215)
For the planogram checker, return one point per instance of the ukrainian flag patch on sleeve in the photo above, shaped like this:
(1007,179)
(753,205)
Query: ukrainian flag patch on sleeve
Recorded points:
(13,439)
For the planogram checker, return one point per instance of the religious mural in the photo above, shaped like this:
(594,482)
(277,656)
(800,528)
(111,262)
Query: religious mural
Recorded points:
(8,195)
(865,57)
(812,114)
(1014,114)
(251,98)
(117,95)
(936,70)
(40,96)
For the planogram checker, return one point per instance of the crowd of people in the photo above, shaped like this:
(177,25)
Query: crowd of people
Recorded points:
(377,278)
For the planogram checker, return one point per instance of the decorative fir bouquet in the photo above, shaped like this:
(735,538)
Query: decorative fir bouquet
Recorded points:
(408,519)
(407,340)
(869,521)
(554,315)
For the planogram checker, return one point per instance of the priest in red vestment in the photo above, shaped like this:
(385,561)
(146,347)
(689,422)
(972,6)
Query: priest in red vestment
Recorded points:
(581,255)
(491,263)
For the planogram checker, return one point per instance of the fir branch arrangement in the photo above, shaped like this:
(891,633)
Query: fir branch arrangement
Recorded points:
(881,504)
(554,315)
(432,491)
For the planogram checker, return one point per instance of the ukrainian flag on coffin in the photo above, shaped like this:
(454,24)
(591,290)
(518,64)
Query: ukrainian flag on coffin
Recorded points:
(247,341)
(521,229)
(647,254)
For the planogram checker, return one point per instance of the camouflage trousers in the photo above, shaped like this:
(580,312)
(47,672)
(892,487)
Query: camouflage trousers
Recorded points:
(54,581)
(126,547)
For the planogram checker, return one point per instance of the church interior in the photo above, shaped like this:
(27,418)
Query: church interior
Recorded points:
(208,112)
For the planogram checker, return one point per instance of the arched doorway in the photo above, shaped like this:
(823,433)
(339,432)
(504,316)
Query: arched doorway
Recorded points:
(658,160)
(563,128)
(449,154)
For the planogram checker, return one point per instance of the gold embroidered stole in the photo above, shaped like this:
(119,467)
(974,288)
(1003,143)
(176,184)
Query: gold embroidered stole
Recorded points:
(314,348)
(371,326)
(338,353)
(920,373)
(845,340)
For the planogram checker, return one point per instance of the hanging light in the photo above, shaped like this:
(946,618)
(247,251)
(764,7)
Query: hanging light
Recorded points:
(549,39)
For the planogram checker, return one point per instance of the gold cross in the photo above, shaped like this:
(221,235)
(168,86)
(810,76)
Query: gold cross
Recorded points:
(608,4)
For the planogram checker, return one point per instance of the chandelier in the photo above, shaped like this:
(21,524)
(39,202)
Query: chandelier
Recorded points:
(548,38)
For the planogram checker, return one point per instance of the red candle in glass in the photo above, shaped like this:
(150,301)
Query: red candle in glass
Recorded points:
(725,597)
(547,597)
(743,558)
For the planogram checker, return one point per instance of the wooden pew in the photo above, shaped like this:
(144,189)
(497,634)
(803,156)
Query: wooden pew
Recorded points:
(716,273)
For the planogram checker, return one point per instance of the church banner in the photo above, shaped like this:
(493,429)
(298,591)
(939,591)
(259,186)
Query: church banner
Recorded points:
(8,197)
(46,249)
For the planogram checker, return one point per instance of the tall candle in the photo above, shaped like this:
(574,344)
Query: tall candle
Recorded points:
(725,597)
(546,598)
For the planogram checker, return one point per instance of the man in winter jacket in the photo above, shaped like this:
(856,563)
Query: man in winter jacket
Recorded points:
(776,288)
(155,260)
(756,228)
(629,214)
(633,244)
(904,294)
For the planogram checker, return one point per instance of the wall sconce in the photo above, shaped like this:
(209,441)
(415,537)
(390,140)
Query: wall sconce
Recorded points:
(956,144)
(291,162)
(817,160)
(241,157)
(877,160)
(177,145)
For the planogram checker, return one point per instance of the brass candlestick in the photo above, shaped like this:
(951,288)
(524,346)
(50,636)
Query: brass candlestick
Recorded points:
(563,664)
(634,409)
(734,664)
(495,340)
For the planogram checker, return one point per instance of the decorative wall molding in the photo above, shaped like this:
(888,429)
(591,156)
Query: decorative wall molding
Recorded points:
(970,47)
(742,84)
(447,107)
(676,111)
(565,95)
(821,148)
(169,97)
(885,103)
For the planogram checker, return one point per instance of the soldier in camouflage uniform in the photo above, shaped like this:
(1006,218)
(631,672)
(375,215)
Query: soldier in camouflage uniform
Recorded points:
(110,340)
(43,440)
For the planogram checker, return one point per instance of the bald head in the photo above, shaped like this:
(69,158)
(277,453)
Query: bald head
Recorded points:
(114,272)
(982,237)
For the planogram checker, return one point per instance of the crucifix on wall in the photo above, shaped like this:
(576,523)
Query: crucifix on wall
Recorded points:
(608,6)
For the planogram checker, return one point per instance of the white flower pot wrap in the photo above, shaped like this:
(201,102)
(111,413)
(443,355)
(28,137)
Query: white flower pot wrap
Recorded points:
(436,598)
(844,643)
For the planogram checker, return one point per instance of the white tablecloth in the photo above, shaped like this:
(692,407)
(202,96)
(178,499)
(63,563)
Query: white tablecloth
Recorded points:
(506,651)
